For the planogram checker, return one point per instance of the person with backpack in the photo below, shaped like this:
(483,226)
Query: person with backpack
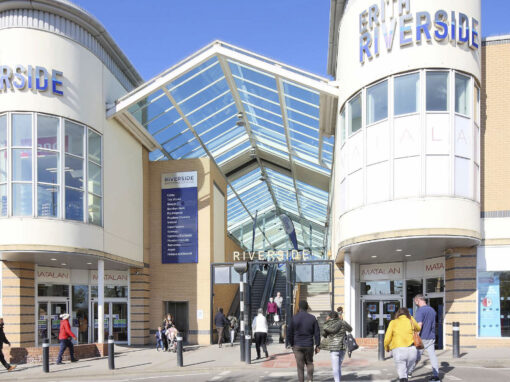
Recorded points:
(333,333)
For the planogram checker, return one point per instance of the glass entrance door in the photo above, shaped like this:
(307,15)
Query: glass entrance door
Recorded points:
(437,303)
(376,313)
(115,321)
(106,321)
(48,320)
(389,310)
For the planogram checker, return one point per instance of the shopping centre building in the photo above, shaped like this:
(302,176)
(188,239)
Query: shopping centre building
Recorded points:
(118,197)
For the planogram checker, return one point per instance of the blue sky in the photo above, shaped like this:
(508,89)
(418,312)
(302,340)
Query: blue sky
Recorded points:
(156,34)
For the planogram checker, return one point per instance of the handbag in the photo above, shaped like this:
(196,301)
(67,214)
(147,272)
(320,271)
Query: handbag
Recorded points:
(276,318)
(350,343)
(416,337)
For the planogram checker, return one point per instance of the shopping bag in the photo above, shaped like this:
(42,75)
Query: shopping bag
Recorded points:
(276,318)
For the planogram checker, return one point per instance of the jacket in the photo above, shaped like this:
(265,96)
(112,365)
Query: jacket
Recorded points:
(220,320)
(400,333)
(271,307)
(333,333)
(65,330)
(278,301)
(3,338)
(259,324)
(304,330)
(159,334)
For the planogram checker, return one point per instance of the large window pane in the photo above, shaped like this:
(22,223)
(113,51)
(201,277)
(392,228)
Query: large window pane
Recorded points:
(377,102)
(94,179)
(407,94)
(22,199)
(3,200)
(22,130)
(47,166)
(355,115)
(21,165)
(74,204)
(47,132)
(74,138)
(74,172)
(494,304)
(94,147)
(462,99)
(437,91)
(94,209)
(47,200)
(3,131)
(3,166)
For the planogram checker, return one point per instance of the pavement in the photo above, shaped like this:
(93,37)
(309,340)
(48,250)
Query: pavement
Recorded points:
(210,363)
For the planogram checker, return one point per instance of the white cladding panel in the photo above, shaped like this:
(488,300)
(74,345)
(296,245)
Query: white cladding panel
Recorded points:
(493,258)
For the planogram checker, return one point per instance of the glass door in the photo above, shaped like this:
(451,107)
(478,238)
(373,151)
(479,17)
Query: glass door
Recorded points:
(119,320)
(106,321)
(48,320)
(389,308)
(42,322)
(56,309)
(437,303)
(371,317)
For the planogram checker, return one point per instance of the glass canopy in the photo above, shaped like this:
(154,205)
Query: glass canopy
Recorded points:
(260,121)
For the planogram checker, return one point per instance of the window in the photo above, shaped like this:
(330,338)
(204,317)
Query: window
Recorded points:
(437,91)
(74,171)
(21,164)
(476,105)
(355,114)
(377,102)
(407,94)
(494,304)
(110,291)
(462,95)
(48,165)
(373,288)
(434,285)
(94,178)
(3,165)
(52,290)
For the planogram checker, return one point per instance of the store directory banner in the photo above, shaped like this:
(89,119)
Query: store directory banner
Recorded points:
(489,304)
(179,214)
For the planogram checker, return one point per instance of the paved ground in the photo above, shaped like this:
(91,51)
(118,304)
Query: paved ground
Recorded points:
(223,365)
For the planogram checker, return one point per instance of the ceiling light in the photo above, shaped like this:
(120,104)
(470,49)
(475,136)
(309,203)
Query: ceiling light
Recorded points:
(53,259)
(373,256)
(89,263)
(408,255)
(63,264)
(398,250)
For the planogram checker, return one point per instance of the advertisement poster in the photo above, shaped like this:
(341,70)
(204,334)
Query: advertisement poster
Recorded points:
(489,304)
(179,214)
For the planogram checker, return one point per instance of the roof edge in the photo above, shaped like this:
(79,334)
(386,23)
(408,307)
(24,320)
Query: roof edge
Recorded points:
(335,16)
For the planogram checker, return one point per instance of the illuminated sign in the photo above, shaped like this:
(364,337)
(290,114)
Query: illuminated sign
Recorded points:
(379,24)
(36,78)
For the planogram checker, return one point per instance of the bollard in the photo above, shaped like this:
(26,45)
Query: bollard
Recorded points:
(380,334)
(456,340)
(248,349)
(111,353)
(46,355)
(179,352)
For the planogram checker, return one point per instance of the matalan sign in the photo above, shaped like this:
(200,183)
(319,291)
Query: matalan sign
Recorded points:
(53,275)
(434,267)
(111,277)
(388,271)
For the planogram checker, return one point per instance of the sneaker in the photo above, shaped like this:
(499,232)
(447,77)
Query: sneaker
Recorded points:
(59,363)
(74,360)
(11,368)
(434,378)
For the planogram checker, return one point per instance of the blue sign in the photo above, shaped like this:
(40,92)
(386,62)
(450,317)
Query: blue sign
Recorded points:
(179,218)
(489,305)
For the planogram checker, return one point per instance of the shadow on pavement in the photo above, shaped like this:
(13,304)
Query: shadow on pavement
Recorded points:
(198,363)
(129,367)
(69,368)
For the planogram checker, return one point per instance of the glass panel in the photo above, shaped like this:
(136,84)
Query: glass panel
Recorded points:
(355,115)
(370,318)
(110,291)
(74,172)
(47,166)
(494,304)
(106,320)
(22,199)
(3,200)
(47,200)
(389,310)
(22,130)
(94,206)
(437,91)
(373,288)
(434,285)
(47,132)
(321,273)
(22,165)
(221,275)
(74,204)
(463,185)
(42,322)
(57,308)
(3,131)
(94,147)
(3,166)
(235,277)
(94,179)
(74,138)
(377,102)
(407,94)
(303,273)
(462,98)
(413,287)
(80,312)
(119,321)
(52,290)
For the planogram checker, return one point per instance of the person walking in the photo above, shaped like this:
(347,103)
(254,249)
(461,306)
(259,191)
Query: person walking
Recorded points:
(272,308)
(425,316)
(400,340)
(221,322)
(302,333)
(233,328)
(333,334)
(4,340)
(279,303)
(167,324)
(159,338)
(259,327)
(64,336)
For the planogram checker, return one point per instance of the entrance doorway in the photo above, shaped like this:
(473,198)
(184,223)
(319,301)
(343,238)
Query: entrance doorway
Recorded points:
(376,313)
(179,312)
(48,319)
(437,303)
(115,321)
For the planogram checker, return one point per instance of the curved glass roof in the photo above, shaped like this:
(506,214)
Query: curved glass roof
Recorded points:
(260,121)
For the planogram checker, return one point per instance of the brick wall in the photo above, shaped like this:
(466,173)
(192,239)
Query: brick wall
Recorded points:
(21,355)
(140,294)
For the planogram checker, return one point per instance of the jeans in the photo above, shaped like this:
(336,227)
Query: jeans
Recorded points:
(232,336)
(429,345)
(220,335)
(304,356)
(2,359)
(404,358)
(159,344)
(261,339)
(337,357)
(63,345)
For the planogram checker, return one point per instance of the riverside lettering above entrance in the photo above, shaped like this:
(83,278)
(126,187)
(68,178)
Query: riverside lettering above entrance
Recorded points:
(272,255)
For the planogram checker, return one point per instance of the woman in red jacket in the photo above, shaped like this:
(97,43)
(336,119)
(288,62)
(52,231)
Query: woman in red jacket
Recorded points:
(64,337)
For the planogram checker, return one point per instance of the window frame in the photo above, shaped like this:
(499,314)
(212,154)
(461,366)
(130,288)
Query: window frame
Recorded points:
(448,91)
(367,90)
(419,94)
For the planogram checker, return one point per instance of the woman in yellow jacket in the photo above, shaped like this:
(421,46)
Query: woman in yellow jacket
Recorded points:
(399,339)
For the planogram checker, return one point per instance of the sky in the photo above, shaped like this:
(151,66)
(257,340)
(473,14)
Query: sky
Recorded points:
(156,34)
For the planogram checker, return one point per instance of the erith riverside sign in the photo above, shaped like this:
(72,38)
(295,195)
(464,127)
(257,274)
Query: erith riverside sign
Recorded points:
(37,78)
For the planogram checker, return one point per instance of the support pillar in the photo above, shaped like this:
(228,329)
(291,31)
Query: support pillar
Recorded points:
(348,313)
(100,301)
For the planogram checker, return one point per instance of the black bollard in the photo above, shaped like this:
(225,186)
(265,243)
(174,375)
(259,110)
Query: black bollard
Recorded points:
(46,355)
(248,349)
(111,353)
(380,334)
(456,340)
(180,361)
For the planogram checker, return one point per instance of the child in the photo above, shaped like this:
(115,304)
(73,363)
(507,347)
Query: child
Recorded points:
(159,338)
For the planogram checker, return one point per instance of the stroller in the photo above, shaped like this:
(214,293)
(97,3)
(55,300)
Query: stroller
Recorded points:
(171,335)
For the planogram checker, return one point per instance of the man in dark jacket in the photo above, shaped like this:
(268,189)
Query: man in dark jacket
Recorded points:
(4,340)
(303,331)
(220,321)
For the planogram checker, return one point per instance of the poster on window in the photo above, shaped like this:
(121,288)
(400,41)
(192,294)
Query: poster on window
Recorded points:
(179,214)
(489,304)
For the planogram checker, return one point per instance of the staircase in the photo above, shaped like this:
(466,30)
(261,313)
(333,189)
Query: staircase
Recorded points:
(257,291)
(280,285)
